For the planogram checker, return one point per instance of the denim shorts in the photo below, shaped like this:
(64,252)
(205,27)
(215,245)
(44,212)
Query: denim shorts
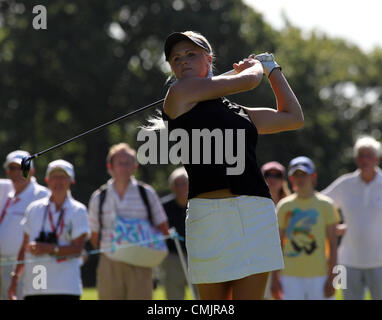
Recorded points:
(231,238)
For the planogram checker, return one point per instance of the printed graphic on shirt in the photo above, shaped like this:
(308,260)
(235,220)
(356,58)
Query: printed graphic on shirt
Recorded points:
(137,231)
(299,232)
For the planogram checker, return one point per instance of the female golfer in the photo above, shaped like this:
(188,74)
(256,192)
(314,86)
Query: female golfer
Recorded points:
(231,227)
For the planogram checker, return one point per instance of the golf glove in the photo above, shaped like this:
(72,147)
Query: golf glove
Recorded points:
(268,62)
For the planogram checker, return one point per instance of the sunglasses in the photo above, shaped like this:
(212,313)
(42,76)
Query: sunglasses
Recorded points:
(278,175)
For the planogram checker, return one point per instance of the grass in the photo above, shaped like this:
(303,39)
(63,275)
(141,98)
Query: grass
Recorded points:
(159,294)
(339,295)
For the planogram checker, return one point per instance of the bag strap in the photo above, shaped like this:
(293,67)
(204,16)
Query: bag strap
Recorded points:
(102,196)
(143,193)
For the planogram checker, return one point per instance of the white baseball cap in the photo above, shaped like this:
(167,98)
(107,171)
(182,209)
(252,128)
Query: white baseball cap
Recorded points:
(60,165)
(16,157)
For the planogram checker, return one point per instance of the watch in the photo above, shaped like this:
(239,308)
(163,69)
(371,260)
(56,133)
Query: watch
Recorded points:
(14,274)
(56,249)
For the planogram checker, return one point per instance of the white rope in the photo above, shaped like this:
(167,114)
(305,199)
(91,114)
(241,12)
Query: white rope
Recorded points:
(13,261)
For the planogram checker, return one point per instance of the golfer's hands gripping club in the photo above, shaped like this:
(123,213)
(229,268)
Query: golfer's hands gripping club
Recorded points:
(266,59)
(268,62)
(246,64)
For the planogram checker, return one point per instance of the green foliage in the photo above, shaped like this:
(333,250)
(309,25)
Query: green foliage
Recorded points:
(100,59)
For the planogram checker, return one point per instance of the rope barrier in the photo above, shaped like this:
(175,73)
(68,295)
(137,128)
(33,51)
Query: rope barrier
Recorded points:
(13,261)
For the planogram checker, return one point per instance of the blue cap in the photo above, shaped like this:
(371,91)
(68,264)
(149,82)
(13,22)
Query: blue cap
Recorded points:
(301,163)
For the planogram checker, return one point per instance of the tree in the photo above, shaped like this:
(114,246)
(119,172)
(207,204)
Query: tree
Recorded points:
(100,59)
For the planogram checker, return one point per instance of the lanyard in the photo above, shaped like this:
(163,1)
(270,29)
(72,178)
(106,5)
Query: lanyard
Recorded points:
(60,221)
(7,204)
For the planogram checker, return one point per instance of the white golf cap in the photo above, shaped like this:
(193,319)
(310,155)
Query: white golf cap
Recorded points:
(16,157)
(60,165)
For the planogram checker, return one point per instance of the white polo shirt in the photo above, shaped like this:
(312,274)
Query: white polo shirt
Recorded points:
(62,277)
(12,208)
(5,187)
(361,206)
(130,206)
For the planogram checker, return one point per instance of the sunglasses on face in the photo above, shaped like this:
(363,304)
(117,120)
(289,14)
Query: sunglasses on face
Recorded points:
(278,175)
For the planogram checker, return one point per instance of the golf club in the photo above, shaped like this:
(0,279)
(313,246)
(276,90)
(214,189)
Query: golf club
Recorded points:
(26,161)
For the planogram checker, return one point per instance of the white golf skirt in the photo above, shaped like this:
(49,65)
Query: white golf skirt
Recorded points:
(231,238)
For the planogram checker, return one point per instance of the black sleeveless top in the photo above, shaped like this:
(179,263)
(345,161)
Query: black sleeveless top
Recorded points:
(232,164)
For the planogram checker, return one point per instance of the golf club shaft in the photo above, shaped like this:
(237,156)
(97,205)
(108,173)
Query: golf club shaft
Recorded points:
(96,128)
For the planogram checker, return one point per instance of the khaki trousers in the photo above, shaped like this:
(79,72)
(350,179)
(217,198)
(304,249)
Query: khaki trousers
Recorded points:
(121,281)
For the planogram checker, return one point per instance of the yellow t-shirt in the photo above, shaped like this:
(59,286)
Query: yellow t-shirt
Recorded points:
(304,222)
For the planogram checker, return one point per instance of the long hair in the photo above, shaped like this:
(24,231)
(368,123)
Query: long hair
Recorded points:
(155,122)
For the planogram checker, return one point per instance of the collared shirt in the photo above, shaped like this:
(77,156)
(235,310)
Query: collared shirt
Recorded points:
(12,209)
(361,206)
(5,187)
(62,277)
(130,206)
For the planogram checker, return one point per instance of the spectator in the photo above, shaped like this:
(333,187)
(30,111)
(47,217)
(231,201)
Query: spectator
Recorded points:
(359,196)
(175,281)
(275,177)
(307,221)
(55,227)
(16,193)
(117,280)
(274,174)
